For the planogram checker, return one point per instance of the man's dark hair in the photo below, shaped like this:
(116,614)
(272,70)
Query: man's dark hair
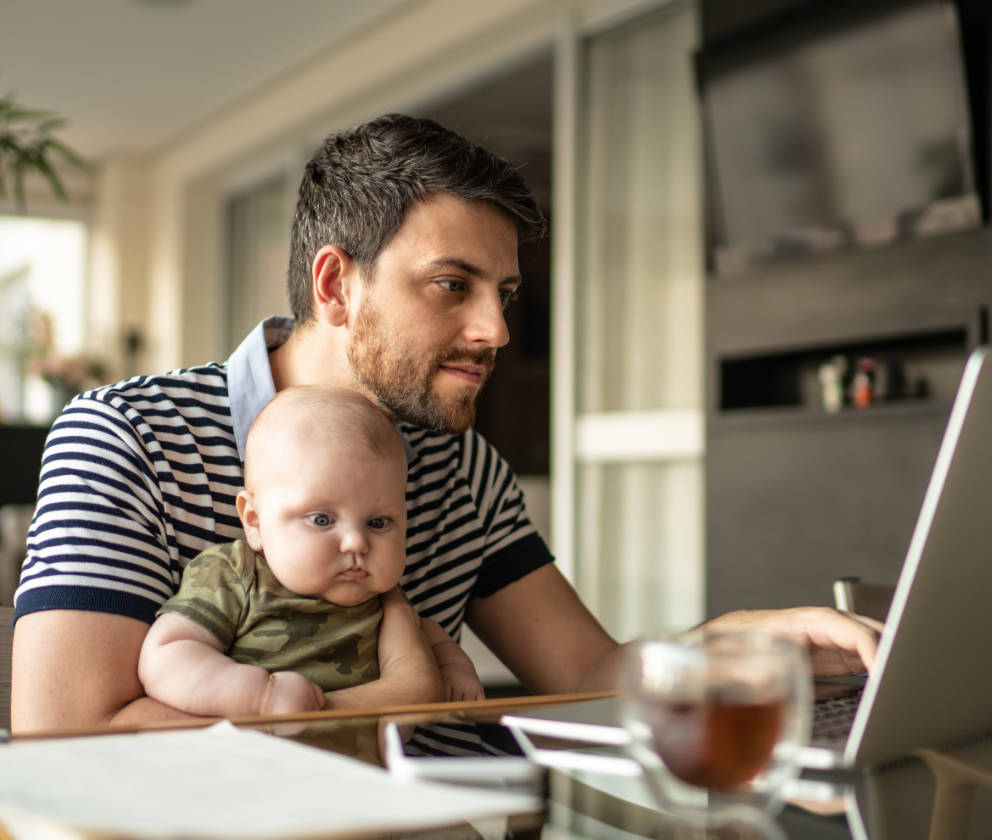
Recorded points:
(359,184)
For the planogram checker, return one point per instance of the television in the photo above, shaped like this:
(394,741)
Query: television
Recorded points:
(846,126)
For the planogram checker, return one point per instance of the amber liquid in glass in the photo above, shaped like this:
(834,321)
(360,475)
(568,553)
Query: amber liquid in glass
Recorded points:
(716,744)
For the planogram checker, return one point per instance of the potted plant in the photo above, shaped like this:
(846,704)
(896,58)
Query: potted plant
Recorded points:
(28,144)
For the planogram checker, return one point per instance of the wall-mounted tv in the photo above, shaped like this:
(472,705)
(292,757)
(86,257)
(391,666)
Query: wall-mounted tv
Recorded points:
(845,128)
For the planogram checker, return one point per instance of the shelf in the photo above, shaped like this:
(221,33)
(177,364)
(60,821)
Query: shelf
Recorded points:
(907,371)
(895,409)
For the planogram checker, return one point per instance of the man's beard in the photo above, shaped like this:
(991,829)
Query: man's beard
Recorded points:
(402,383)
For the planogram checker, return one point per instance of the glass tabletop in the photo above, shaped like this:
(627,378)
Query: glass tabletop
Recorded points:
(895,801)
(465,745)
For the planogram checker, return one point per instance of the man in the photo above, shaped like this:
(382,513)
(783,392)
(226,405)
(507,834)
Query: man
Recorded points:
(403,257)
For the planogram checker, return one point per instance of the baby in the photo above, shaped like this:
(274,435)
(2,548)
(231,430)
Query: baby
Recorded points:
(267,625)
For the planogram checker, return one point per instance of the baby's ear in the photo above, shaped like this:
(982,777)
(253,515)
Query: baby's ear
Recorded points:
(249,519)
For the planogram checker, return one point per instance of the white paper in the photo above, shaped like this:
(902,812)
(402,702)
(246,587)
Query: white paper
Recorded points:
(221,782)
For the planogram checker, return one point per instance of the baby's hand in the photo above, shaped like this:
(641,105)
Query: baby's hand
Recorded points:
(289,692)
(461,682)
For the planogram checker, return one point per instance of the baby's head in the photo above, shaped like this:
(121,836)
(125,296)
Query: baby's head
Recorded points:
(325,494)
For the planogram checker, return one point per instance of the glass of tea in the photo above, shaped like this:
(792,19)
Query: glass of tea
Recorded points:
(716,719)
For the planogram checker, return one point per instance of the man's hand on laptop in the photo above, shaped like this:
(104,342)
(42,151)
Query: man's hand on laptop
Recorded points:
(839,643)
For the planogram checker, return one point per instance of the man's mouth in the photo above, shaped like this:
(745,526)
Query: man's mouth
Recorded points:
(472,368)
(470,374)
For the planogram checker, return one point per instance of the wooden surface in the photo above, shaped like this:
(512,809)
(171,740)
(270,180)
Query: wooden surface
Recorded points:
(495,706)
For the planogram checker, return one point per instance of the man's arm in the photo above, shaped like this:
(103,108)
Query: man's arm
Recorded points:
(543,633)
(77,668)
(73,669)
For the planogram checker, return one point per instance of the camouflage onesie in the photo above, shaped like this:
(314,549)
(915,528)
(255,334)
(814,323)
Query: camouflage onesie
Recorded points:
(230,591)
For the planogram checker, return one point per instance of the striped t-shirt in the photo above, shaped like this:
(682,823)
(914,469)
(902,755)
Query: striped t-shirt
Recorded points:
(139,477)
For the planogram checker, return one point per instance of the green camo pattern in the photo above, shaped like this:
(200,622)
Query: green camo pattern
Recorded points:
(230,591)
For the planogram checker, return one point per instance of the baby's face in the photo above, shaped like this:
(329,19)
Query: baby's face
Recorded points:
(332,521)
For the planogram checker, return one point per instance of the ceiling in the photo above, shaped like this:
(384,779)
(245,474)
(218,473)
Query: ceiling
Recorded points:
(130,75)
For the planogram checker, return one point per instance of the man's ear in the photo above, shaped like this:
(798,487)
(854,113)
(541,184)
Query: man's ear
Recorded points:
(245,502)
(331,273)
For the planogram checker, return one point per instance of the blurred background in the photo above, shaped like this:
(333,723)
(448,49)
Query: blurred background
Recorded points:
(741,195)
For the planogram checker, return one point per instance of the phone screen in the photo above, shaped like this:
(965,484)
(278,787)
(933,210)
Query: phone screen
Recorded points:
(461,738)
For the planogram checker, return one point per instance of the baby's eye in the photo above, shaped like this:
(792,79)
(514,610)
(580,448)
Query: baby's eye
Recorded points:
(321,520)
(377,523)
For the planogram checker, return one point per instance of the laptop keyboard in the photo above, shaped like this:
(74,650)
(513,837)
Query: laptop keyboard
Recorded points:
(833,716)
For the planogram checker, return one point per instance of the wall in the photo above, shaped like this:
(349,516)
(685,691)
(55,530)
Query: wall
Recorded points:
(118,293)
(800,491)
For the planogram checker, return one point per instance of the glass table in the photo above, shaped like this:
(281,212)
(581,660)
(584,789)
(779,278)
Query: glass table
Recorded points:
(463,744)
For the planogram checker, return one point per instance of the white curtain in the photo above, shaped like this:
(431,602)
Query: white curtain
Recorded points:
(639,350)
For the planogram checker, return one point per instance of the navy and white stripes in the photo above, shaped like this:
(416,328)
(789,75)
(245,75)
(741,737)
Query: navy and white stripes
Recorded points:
(139,477)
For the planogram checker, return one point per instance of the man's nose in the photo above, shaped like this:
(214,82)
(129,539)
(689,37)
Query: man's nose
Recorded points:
(487,322)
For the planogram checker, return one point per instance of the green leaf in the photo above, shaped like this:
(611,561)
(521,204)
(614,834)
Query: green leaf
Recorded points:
(20,200)
(29,145)
(42,165)
(49,125)
(15,113)
(73,157)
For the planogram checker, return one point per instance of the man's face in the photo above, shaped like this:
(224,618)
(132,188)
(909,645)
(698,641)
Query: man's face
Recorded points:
(427,328)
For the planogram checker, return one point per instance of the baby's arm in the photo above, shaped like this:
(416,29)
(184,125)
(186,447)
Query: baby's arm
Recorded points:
(184,665)
(461,682)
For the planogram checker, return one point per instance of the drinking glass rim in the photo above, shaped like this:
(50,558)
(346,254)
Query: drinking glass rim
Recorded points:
(694,637)
(695,646)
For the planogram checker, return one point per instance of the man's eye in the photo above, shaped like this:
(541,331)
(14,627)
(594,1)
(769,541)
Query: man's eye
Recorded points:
(507,296)
(321,520)
(453,285)
(377,523)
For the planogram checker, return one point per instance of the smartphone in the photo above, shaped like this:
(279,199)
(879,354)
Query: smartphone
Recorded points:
(461,752)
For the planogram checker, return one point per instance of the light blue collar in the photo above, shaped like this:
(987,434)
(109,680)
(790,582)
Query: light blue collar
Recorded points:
(249,377)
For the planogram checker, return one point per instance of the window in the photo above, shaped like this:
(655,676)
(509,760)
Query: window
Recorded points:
(42,317)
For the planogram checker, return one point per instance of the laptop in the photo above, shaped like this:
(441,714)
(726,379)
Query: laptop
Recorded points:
(932,680)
